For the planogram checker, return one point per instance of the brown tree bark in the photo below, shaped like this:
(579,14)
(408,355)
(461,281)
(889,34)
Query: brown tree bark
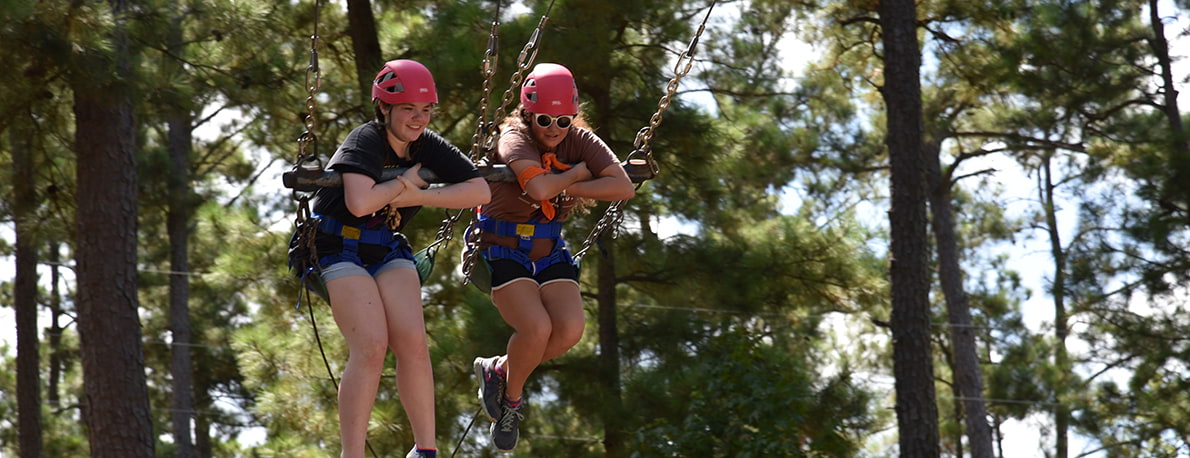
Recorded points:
(614,437)
(1181,146)
(178,222)
(55,329)
(116,399)
(25,297)
(968,376)
(1061,327)
(202,424)
(365,45)
(913,367)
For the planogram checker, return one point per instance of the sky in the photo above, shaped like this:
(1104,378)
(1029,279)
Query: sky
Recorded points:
(1029,257)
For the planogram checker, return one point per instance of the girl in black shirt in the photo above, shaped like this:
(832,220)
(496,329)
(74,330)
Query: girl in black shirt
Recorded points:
(367,264)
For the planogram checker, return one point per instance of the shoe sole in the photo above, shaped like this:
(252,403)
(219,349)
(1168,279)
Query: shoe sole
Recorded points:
(478,366)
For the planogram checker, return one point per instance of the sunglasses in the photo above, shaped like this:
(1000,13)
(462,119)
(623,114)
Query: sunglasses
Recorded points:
(545,121)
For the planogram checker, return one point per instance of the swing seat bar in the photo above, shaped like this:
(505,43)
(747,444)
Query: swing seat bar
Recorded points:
(309,179)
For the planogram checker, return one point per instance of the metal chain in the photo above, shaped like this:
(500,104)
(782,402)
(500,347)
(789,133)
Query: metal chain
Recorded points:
(523,62)
(308,140)
(488,131)
(308,145)
(614,215)
(491,59)
(611,219)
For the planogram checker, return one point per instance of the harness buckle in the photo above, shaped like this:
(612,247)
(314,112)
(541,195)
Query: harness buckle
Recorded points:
(350,232)
(525,231)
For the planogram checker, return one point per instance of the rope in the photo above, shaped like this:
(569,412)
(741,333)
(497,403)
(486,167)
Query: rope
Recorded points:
(466,432)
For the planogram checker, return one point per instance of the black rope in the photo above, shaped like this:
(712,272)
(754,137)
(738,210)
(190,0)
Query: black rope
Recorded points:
(466,432)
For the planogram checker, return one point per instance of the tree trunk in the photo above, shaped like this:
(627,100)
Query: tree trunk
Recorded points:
(25,296)
(116,403)
(202,422)
(55,330)
(999,435)
(609,357)
(202,437)
(614,437)
(1181,151)
(1058,292)
(593,78)
(365,45)
(968,376)
(957,406)
(913,367)
(178,226)
(178,221)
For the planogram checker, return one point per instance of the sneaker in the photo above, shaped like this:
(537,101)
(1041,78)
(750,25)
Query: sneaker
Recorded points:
(415,453)
(505,431)
(491,385)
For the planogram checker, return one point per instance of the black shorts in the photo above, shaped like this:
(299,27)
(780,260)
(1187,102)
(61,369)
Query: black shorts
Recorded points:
(505,271)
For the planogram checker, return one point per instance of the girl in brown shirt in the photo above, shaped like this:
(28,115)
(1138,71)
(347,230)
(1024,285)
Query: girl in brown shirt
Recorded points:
(534,280)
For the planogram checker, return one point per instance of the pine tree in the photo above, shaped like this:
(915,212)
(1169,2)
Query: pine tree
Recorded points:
(917,414)
(116,408)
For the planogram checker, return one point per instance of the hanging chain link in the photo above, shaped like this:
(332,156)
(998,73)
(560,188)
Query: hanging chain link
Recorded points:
(523,62)
(308,140)
(491,59)
(614,215)
(308,146)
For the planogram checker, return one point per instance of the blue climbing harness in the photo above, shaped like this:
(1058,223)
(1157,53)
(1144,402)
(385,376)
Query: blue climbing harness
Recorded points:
(525,233)
(353,236)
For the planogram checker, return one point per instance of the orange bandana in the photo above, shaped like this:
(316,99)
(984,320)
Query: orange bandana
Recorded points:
(549,161)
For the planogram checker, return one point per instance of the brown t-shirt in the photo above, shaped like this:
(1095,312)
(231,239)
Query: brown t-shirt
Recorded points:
(510,203)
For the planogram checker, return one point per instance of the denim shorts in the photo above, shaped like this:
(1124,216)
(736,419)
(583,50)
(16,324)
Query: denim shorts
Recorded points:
(348,268)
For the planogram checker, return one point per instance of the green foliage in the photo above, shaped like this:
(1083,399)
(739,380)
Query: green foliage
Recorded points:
(742,397)
(724,332)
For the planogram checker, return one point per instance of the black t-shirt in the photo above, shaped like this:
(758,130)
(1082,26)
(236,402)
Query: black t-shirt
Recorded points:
(366,151)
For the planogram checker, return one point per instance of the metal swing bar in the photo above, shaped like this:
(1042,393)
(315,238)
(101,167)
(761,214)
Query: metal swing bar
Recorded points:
(309,179)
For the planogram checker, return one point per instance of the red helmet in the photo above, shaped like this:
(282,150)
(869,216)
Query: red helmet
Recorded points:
(404,81)
(550,89)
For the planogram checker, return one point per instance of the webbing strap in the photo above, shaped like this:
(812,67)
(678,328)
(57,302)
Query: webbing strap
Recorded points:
(524,232)
(353,234)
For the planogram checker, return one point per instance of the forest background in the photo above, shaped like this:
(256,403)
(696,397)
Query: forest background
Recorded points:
(761,327)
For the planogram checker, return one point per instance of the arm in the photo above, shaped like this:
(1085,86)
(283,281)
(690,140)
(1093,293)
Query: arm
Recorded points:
(363,195)
(548,185)
(470,193)
(611,184)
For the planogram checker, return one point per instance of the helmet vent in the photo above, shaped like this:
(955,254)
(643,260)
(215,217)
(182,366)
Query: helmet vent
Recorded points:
(398,87)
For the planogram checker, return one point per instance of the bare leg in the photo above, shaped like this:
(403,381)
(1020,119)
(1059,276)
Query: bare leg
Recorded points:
(565,307)
(401,291)
(359,313)
(520,306)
